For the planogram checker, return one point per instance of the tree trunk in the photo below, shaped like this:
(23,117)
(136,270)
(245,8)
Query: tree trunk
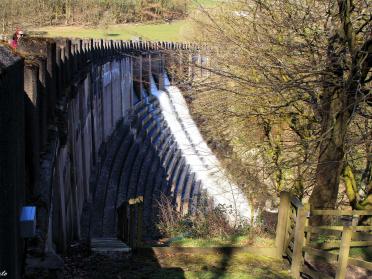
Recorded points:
(335,114)
(330,161)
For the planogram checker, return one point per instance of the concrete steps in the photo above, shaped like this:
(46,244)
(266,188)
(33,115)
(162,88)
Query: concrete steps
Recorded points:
(107,245)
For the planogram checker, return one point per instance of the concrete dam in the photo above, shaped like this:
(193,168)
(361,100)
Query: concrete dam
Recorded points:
(93,133)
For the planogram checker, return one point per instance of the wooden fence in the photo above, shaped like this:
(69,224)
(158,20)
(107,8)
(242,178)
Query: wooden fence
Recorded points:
(130,222)
(300,242)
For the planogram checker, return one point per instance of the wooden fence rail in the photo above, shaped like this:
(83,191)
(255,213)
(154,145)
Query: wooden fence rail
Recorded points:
(297,240)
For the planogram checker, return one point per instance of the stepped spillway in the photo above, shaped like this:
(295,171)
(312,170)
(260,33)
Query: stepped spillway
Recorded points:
(158,150)
(199,159)
(142,159)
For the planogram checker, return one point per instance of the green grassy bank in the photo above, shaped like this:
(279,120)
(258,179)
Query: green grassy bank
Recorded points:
(174,31)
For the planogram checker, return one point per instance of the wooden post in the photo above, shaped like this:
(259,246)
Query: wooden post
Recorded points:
(281,228)
(297,258)
(307,223)
(125,222)
(343,256)
(132,223)
(139,224)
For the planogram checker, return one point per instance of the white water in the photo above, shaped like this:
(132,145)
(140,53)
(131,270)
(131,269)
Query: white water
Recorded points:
(197,154)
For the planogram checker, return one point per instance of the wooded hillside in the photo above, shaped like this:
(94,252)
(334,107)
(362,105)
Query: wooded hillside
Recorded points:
(14,13)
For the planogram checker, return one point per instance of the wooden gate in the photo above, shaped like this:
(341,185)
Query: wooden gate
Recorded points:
(300,242)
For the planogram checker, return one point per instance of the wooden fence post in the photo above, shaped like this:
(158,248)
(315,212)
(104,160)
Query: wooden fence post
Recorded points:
(297,258)
(343,255)
(307,224)
(281,227)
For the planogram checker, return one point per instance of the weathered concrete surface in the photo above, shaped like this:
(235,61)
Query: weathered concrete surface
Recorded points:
(73,96)
(12,168)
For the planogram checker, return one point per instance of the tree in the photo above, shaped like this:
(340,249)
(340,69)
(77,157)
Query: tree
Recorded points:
(45,12)
(304,63)
(349,59)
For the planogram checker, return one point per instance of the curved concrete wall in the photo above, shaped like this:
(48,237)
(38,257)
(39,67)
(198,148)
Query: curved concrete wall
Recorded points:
(12,169)
(88,110)
(67,107)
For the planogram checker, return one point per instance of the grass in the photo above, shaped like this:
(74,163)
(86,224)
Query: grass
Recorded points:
(239,241)
(240,265)
(363,253)
(165,264)
(183,266)
(175,31)
(204,3)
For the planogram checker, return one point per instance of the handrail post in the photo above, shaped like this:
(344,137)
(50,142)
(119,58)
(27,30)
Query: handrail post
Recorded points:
(297,258)
(343,255)
(281,227)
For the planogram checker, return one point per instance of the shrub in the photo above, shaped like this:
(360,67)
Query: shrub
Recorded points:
(205,222)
